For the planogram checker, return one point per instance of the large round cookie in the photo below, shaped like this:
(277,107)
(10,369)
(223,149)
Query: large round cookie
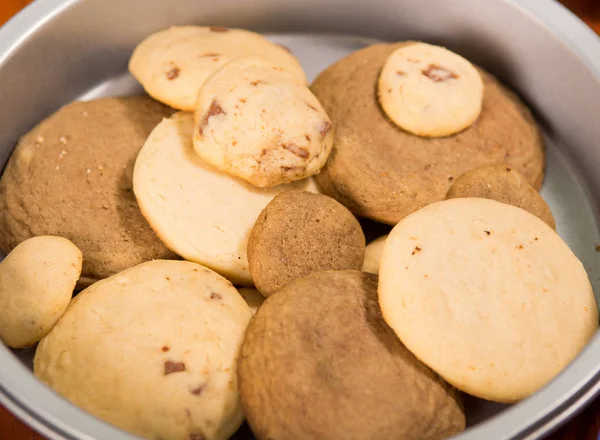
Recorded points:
(260,123)
(318,362)
(152,350)
(299,233)
(71,176)
(487,295)
(173,64)
(200,212)
(382,172)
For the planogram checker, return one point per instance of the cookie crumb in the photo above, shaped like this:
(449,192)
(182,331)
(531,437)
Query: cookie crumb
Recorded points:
(450,178)
(165,348)
(487,232)
(520,246)
(215,295)
(416,250)
(198,390)
(63,140)
(437,73)
(57,167)
(173,73)
(256,82)
(173,367)
(40,139)
(88,171)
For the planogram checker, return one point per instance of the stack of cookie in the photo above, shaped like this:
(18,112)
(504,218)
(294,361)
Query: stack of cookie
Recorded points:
(262,184)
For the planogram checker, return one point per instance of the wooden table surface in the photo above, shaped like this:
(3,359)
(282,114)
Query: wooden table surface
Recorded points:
(584,426)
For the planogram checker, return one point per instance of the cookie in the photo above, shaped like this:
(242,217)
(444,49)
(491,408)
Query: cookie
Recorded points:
(319,362)
(200,212)
(380,171)
(256,122)
(373,253)
(430,91)
(71,176)
(36,284)
(173,64)
(299,233)
(252,297)
(504,184)
(487,295)
(152,350)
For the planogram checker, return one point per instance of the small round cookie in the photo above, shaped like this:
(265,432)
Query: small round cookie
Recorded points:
(252,297)
(36,284)
(504,184)
(258,123)
(379,171)
(173,64)
(318,362)
(152,350)
(373,253)
(487,295)
(71,177)
(430,91)
(299,233)
(200,212)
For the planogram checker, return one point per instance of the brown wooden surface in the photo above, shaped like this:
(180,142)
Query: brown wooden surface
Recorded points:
(585,426)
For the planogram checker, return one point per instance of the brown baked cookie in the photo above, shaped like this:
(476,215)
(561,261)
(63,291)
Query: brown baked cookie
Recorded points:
(298,233)
(503,184)
(71,176)
(380,171)
(319,362)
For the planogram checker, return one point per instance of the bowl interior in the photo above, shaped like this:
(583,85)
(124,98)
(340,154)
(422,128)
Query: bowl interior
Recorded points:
(81,52)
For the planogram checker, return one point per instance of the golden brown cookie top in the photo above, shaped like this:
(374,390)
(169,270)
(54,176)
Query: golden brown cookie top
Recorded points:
(260,123)
(320,344)
(299,233)
(382,172)
(172,64)
(71,176)
(504,184)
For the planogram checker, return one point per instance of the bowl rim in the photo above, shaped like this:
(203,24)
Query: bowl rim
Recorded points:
(54,417)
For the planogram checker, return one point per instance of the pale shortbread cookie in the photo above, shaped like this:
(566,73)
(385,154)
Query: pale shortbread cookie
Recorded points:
(172,64)
(373,253)
(430,91)
(487,295)
(199,212)
(252,297)
(152,350)
(256,122)
(37,280)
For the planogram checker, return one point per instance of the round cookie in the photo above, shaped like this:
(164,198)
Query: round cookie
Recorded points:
(71,176)
(200,212)
(319,362)
(252,297)
(430,91)
(36,284)
(173,64)
(259,123)
(379,171)
(373,253)
(504,184)
(299,233)
(152,350)
(487,295)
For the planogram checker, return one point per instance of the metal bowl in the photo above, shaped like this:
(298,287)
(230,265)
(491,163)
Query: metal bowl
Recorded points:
(56,51)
